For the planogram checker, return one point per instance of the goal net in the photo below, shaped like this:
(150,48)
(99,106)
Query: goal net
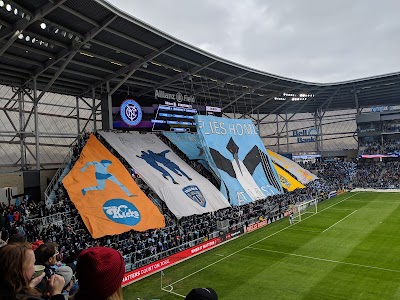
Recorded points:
(307,207)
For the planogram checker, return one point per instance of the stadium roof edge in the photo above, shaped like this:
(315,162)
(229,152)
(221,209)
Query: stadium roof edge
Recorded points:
(91,44)
(155,30)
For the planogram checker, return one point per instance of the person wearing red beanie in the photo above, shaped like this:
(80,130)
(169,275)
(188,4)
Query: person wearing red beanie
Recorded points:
(100,271)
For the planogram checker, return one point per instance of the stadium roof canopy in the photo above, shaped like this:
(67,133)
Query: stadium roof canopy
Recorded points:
(75,47)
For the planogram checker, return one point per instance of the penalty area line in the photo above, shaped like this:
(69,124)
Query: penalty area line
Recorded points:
(264,238)
(326,260)
(340,221)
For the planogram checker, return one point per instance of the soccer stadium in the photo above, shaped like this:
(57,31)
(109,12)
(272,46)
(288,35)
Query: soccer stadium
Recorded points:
(134,165)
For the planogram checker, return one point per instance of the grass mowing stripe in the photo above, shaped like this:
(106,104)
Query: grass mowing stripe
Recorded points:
(305,230)
(327,260)
(268,236)
(340,220)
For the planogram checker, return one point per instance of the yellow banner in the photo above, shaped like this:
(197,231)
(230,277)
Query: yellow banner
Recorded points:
(287,181)
(107,198)
(301,174)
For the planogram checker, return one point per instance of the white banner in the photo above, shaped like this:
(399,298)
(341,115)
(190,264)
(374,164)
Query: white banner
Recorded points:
(183,190)
(302,175)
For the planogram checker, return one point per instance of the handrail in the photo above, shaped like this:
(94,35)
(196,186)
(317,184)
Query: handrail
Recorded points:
(57,175)
(50,219)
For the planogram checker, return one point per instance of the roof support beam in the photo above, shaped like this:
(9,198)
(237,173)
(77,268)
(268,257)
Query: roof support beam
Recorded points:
(22,24)
(178,76)
(247,91)
(133,67)
(76,46)
(224,82)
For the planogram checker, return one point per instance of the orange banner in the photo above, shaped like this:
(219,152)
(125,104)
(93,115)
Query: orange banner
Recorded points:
(107,198)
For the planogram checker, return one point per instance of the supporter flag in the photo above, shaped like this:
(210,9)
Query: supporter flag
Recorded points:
(235,153)
(189,144)
(287,181)
(301,174)
(106,196)
(183,190)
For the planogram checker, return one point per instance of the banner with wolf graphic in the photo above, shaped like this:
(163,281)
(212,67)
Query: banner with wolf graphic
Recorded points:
(184,191)
(236,154)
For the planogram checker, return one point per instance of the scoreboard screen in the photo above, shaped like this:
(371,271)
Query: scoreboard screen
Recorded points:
(158,114)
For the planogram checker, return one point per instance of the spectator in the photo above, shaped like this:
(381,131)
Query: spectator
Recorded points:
(100,271)
(46,255)
(17,265)
(3,238)
(67,273)
(202,294)
(17,238)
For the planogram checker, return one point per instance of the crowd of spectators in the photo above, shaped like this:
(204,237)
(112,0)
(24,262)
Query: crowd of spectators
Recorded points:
(62,224)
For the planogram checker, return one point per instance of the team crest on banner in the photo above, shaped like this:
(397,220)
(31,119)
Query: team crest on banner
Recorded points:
(195,194)
(131,112)
(183,190)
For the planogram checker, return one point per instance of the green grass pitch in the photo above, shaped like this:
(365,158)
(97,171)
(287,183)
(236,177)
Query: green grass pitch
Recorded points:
(349,250)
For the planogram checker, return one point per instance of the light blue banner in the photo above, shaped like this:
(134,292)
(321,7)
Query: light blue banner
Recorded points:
(189,144)
(235,152)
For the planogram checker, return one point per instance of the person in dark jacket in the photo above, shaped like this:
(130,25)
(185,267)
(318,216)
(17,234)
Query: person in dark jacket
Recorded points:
(46,255)
(17,265)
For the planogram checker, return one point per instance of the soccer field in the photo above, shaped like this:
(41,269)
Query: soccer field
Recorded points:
(349,250)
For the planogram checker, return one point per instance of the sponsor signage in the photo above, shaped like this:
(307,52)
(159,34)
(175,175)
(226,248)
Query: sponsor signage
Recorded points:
(161,264)
(305,136)
(381,108)
(332,194)
(174,96)
(256,226)
(339,192)
(234,232)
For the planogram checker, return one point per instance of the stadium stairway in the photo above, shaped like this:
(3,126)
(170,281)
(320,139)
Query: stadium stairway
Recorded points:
(381,175)
(64,173)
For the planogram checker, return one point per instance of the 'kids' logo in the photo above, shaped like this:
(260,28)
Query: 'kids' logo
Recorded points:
(195,194)
(131,113)
(122,212)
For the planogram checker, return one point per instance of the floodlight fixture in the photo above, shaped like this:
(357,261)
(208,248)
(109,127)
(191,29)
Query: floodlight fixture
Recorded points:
(43,25)
(8,7)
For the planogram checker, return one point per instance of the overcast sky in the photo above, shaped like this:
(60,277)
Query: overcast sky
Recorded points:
(312,40)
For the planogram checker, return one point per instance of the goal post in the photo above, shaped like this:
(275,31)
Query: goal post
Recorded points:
(307,207)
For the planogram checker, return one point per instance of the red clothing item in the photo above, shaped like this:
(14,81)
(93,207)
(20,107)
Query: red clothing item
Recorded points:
(16,216)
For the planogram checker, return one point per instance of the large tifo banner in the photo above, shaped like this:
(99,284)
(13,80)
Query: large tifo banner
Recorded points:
(107,198)
(287,181)
(189,144)
(236,154)
(184,191)
(302,175)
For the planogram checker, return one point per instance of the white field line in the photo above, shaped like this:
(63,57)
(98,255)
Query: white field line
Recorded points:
(327,260)
(340,220)
(171,291)
(375,201)
(268,236)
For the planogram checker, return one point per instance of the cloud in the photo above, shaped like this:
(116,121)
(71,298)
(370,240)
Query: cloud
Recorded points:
(320,41)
